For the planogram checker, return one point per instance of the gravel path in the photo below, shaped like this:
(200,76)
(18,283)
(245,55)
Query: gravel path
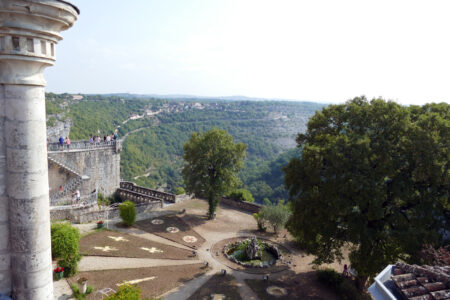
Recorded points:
(93,263)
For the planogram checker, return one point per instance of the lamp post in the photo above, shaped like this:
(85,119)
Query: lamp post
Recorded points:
(29,32)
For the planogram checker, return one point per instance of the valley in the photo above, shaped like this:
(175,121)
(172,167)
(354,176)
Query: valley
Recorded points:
(155,130)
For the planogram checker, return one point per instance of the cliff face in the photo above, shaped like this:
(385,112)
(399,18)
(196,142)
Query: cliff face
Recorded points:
(58,128)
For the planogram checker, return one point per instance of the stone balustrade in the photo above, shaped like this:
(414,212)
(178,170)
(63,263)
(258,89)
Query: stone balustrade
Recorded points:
(130,188)
(85,145)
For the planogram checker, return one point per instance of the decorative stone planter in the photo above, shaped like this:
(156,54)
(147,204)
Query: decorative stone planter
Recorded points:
(100,225)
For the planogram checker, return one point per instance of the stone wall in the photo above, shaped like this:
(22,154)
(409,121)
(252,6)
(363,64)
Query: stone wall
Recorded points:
(57,177)
(242,205)
(100,165)
(114,213)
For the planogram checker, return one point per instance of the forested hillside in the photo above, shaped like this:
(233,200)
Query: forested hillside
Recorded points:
(156,129)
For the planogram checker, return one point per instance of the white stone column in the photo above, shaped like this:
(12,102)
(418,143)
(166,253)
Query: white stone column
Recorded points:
(29,31)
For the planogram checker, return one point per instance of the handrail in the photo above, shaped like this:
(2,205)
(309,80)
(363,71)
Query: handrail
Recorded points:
(81,145)
(130,186)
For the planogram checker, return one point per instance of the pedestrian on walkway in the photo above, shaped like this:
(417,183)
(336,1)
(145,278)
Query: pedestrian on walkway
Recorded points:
(61,143)
(68,142)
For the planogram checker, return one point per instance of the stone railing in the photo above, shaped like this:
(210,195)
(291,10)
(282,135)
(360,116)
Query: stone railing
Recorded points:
(84,145)
(132,189)
(67,201)
(242,205)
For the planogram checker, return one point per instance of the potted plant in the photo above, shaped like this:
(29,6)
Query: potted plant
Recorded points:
(82,281)
(59,273)
(100,224)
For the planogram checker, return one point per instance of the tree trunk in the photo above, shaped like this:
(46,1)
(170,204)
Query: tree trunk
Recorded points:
(213,203)
(361,282)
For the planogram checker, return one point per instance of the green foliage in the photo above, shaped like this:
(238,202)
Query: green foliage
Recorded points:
(77,293)
(275,215)
(128,212)
(65,246)
(212,163)
(90,116)
(260,221)
(242,195)
(344,287)
(102,200)
(180,191)
(126,292)
(330,278)
(51,121)
(373,175)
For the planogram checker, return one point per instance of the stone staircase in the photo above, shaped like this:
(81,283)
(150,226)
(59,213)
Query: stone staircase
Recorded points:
(64,197)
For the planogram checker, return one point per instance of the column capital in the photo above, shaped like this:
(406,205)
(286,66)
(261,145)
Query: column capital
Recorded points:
(29,31)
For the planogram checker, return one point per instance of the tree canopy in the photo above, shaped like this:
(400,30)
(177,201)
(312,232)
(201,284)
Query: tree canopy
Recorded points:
(213,161)
(373,176)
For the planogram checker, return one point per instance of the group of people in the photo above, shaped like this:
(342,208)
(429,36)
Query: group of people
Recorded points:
(63,142)
(106,138)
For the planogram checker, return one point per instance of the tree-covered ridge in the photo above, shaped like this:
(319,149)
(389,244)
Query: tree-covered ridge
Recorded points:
(152,154)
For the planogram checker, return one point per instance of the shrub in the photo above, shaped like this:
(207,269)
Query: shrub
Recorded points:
(260,221)
(344,287)
(330,278)
(128,212)
(70,264)
(65,239)
(65,246)
(275,215)
(102,200)
(180,191)
(126,292)
(77,293)
(242,195)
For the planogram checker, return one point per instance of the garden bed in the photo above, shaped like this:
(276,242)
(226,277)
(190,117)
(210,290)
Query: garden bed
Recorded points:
(127,245)
(153,281)
(172,228)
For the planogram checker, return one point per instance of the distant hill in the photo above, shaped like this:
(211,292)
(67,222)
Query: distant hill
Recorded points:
(157,128)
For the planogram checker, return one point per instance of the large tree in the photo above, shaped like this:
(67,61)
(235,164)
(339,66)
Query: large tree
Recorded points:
(213,161)
(373,176)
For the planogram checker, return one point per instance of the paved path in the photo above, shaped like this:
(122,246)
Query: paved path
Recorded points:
(92,263)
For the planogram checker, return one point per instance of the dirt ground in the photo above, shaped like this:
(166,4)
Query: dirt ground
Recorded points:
(298,286)
(128,246)
(218,284)
(154,281)
(182,232)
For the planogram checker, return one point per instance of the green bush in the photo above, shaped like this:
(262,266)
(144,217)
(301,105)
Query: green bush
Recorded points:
(65,246)
(260,221)
(275,215)
(180,191)
(77,293)
(128,212)
(65,239)
(102,200)
(242,195)
(344,287)
(330,278)
(126,292)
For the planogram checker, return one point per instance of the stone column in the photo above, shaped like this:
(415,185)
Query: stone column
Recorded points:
(29,31)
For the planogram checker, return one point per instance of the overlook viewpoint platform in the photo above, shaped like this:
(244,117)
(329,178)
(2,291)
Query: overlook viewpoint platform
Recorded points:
(85,145)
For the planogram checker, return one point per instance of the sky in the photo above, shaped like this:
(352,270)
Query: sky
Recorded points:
(322,51)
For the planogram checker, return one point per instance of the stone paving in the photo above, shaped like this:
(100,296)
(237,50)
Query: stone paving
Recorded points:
(229,223)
